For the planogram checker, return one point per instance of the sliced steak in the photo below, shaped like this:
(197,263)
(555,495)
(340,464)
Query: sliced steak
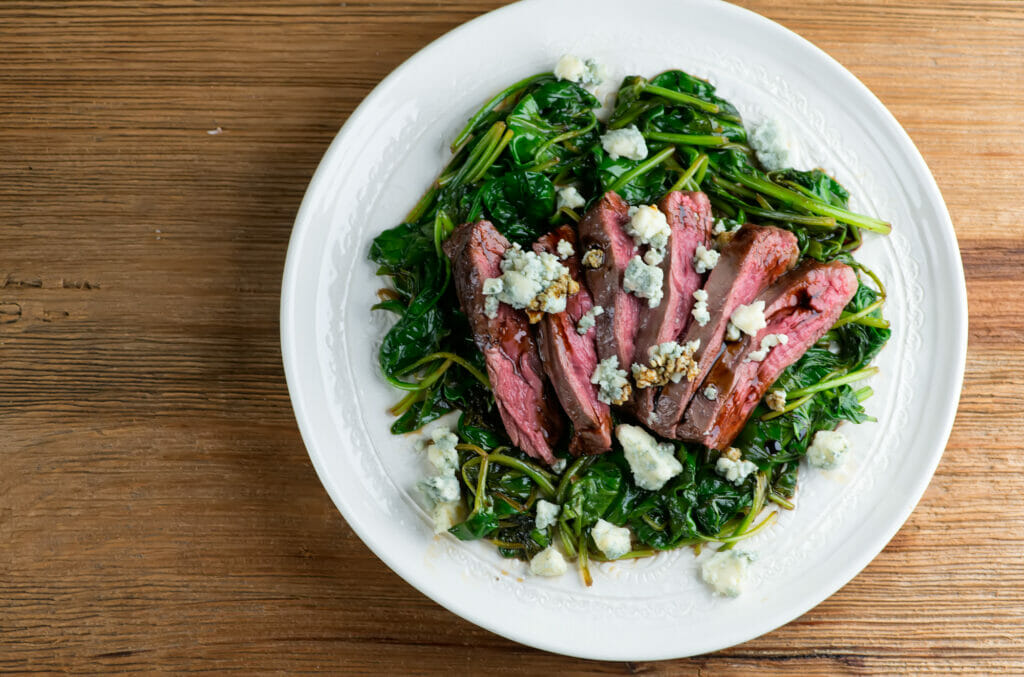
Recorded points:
(570,359)
(605,251)
(754,258)
(689,218)
(803,305)
(531,418)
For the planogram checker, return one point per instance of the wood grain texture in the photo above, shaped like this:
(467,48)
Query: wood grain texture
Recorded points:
(157,508)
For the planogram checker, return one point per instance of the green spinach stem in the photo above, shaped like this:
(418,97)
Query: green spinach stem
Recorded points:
(852,377)
(642,168)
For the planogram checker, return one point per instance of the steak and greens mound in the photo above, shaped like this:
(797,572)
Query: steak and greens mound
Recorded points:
(638,326)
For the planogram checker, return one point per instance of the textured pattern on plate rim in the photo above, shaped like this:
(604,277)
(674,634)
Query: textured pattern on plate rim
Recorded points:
(901,274)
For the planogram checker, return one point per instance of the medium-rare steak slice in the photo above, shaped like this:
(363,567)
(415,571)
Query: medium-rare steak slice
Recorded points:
(570,357)
(605,251)
(531,418)
(802,306)
(756,257)
(689,218)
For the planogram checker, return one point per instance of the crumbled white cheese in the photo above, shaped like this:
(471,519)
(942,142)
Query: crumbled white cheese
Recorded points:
(700,312)
(548,562)
(570,198)
(575,69)
(776,399)
(704,259)
(648,226)
(734,471)
(442,454)
(613,541)
(654,257)
(493,285)
(828,449)
(444,516)
(725,226)
(547,513)
(726,572)
(441,488)
(627,142)
(564,249)
(711,392)
(732,333)
(570,67)
(531,281)
(613,386)
(750,318)
(644,280)
(667,361)
(558,466)
(587,321)
(773,144)
(768,342)
(653,464)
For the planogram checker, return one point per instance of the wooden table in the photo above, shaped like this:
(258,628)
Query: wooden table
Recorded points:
(157,507)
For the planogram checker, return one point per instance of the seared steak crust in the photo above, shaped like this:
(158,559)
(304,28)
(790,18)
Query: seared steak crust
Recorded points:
(754,258)
(803,305)
(602,230)
(570,358)
(531,418)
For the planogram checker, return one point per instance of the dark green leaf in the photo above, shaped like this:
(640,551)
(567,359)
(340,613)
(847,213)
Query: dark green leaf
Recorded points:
(592,495)
(477,525)
(520,205)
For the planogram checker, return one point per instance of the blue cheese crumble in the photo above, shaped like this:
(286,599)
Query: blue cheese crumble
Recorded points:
(726,572)
(570,198)
(828,449)
(574,69)
(443,490)
(548,562)
(537,283)
(559,466)
(776,399)
(644,280)
(648,226)
(773,144)
(768,342)
(749,319)
(652,464)
(627,142)
(564,249)
(732,467)
(723,226)
(442,453)
(732,333)
(613,541)
(445,516)
(547,513)
(704,259)
(612,385)
(588,320)
(700,312)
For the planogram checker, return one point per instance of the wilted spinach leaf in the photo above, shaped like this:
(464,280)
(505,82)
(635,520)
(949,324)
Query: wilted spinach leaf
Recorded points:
(593,493)
(520,204)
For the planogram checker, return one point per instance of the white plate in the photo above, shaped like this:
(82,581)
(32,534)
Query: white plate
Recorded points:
(385,157)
